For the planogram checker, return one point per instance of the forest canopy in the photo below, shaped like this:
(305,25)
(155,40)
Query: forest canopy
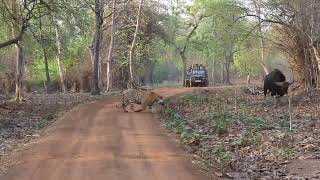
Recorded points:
(98,45)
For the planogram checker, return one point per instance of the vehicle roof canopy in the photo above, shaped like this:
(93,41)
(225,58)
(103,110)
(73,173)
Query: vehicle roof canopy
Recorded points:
(197,66)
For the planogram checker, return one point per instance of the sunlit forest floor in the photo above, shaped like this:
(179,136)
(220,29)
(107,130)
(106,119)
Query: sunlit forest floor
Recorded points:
(241,136)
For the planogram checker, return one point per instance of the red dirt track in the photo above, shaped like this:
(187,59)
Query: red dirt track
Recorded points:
(96,141)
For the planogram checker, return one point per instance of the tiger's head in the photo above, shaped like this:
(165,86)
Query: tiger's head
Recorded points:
(157,99)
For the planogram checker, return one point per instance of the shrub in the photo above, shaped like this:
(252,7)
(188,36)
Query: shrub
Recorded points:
(223,157)
(221,122)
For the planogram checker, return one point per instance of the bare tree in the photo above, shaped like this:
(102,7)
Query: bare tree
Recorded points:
(228,60)
(55,22)
(20,52)
(262,41)
(97,42)
(59,55)
(111,46)
(19,18)
(42,42)
(131,61)
(45,55)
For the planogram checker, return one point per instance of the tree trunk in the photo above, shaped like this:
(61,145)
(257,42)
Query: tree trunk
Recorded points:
(20,52)
(58,56)
(111,45)
(248,79)
(91,48)
(45,56)
(46,64)
(317,55)
(184,64)
(213,72)
(148,73)
(227,80)
(96,87)
(20,70)
(131,63)
(263,59)
(151,75)
(228,60)
(222,73)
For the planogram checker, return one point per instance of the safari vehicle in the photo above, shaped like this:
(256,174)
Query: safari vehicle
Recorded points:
(196,76)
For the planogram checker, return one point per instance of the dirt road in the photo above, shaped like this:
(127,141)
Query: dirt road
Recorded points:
(99,142)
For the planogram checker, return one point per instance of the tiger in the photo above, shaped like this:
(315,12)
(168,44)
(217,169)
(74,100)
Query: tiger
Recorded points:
(145,98)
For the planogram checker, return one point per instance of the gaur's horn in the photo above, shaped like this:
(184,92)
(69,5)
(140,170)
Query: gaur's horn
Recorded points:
(279,83)
(286,84)
(282,84)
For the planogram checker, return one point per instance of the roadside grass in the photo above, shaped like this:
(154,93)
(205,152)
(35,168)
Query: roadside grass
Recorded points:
(227,137)
(223,157)
(45,120)
(221,121)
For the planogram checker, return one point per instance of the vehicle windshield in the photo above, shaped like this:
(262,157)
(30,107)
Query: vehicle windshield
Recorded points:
(199,71)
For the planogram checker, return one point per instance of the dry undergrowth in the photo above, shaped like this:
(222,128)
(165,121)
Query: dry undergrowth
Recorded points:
(248,138)
(19,123)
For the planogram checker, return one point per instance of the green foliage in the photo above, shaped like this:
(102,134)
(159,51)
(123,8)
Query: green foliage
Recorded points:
(174,121)
(163,35)
(221,121)
(219,31)
(250,136)
(254,122)
(195,99)
(283,121)
(247,60)
(77,48)
(223,157)
(38,71)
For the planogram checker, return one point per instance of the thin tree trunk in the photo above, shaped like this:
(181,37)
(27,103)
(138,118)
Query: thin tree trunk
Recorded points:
(100,66)
(110,57)
(131,63)
(20,54)
(58,56)
(45,55)
(46,64)
(184,63)
(91,48)
(262,43)
(248,79)
(222,73)
(213,72)
(227,80)
(151,75)
(20,70)
(317,56)
(96,87)
(228,59)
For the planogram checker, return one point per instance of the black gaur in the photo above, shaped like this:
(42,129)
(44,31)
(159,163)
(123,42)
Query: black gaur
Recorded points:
(275,83)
